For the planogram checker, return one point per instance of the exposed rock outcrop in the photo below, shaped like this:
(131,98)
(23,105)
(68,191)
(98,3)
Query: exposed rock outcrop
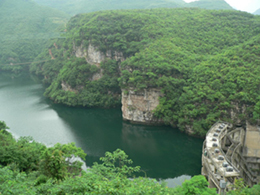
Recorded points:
(97,76)
(237,110)
(138,106)
(94,57)
(67,87)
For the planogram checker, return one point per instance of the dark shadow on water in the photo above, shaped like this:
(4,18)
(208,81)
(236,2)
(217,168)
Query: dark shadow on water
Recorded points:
(161,151)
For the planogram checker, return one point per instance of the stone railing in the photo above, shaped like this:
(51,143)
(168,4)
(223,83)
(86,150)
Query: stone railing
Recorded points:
(214,167)
(233,156)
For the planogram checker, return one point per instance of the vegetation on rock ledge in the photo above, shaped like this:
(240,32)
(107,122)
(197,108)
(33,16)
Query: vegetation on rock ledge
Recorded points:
(205,62)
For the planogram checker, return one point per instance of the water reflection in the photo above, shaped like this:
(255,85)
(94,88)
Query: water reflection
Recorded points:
(163,152)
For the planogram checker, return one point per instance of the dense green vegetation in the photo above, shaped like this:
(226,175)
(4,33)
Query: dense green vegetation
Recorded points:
(25,29)
(29,167)
(204,62)
(221,83)
(73,7)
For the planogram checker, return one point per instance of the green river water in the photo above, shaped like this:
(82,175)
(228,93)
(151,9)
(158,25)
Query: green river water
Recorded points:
(161,151)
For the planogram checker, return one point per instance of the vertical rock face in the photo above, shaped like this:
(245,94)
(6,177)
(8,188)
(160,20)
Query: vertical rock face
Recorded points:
(94,57)
(80,51)
(97,76)
(91,54)
(118,56)
(67,87)
(138,106)
(237,109)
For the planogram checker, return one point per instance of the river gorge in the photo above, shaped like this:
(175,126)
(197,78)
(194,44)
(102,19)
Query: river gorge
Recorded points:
(162,152)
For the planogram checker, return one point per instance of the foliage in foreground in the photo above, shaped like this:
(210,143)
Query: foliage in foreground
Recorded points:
(28,167)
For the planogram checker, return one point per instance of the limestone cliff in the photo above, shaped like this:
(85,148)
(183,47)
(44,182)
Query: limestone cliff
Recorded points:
(67,87)
(138,106)
(237,109)
(94,57)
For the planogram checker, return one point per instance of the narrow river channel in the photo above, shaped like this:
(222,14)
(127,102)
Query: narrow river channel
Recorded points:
(161,151)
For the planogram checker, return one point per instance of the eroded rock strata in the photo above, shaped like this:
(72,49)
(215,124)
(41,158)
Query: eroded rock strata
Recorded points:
(138,106)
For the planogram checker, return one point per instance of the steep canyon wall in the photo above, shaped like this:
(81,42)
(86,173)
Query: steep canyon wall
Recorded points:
(138,106)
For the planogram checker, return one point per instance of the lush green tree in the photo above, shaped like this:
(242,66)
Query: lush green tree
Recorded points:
(195,186)
(60,161)
(3,126)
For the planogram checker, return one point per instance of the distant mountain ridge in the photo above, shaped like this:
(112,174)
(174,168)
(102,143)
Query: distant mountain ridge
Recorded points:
(73,7)
(27,18)
(257,12)
(24,26)
(211,4)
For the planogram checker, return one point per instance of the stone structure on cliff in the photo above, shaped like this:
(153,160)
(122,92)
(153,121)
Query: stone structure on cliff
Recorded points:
(230,153)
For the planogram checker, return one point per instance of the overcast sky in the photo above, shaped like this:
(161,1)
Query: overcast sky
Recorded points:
(243,5)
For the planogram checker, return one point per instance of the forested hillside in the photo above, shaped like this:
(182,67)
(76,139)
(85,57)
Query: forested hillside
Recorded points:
(73,7)
(204,62)
(25,28)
